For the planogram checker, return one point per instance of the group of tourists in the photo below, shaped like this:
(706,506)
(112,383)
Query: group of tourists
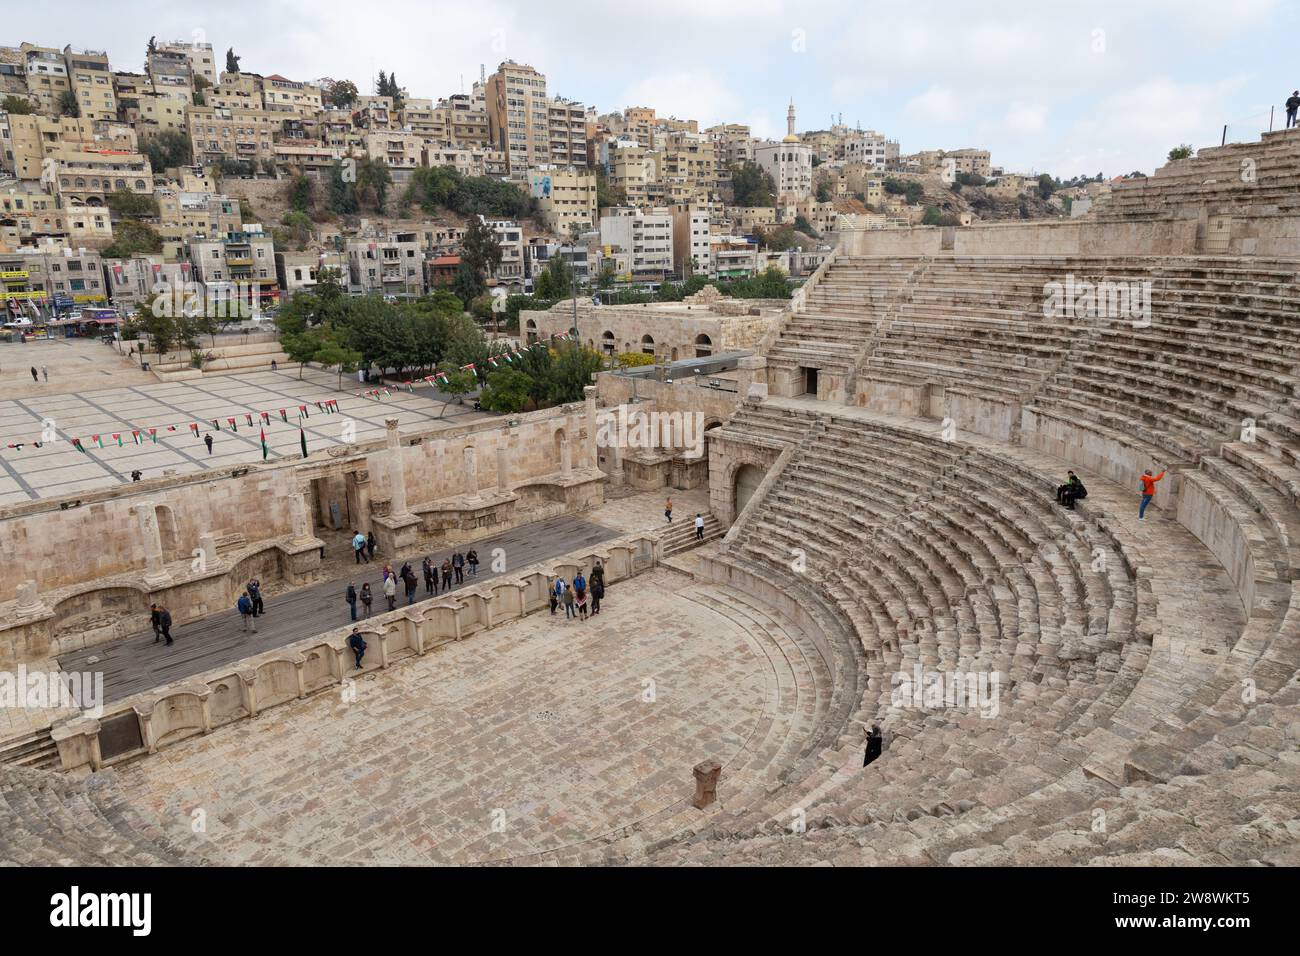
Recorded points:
(363,546)
(1073,490)
(250,605)
(451,572)
(581,596)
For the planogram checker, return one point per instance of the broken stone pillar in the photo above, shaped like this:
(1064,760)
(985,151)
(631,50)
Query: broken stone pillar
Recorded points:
(566,462)
(706,783)
(396,473)
(298,516)
(503,469)
(590,455)
(208,552)
(471,471)
(155,574)
(29,597)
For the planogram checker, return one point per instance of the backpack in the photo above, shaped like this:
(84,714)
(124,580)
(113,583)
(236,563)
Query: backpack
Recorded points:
(245,605)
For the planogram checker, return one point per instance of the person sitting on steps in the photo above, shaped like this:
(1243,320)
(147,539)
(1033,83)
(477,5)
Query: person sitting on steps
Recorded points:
(1070,492)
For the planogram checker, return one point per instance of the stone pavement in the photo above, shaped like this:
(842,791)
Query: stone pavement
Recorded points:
(137,664)
(528,738)
(136,400)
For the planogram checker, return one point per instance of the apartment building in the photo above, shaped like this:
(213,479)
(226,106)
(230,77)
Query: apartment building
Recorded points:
(519,116)
(625,168)
(692,234)
(388,265)
(282,95)
(733,257)
(26,140)
(306,158)
(374,113)
(638,123)
(46,74)
(199,55)
(131,282)
(567,133)
(401,150)
(220,261)
(565,197)
(218,133)
(51,273)
(171,75)
(244,91)
(91,80)
(510,237)
(85,177)
(468,160)
(691,158)
(644,239)
(300,271)
(185,213)
(463,121)
(148,109)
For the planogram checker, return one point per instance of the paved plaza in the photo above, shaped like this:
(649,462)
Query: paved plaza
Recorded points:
(531,737)
(94,391)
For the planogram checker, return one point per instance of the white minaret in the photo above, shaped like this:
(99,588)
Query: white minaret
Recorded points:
(789,119)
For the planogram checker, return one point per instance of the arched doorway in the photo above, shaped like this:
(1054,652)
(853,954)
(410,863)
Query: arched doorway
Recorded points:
(703,346)
(746,482)
(648,344)
(531,329)
(607,342)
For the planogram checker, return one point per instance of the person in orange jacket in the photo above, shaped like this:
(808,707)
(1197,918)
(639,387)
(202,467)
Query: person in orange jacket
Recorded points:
(1148,491)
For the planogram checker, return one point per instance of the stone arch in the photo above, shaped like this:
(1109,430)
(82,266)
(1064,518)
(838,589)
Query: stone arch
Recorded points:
(744,483)
(703,346)
(673,355)
(607,342)
(648,344)
(556,441)
(167,534)
(530,328)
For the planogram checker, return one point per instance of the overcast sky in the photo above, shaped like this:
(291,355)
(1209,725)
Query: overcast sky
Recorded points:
(1066,88)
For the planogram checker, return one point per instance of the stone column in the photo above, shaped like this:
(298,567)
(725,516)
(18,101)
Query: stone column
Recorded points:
(503,469)
(208,548)
(706,783)
(396,473)
(29,597)
(155,574)
(590,453)
(566,463)
(470,457)
(299,516)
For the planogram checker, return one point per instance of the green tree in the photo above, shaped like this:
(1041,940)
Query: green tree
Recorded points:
(910,189)
(571,372)
(232,61)
(332,354)
(342,194)
(555,281)
(167,149)
(302,346)
(339,93)
(302,194)
(480,251)
(125,204)
(17,106)
(373,180)
(131,237)
(934,216)
(1180,152)
(634,359)
(751,185)
(607,195)
(456,384)
(1046,186)
(68,105)
(507,390)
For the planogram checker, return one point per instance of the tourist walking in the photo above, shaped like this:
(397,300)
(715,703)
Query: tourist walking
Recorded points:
(597,590)
(472,560)
(351,597)
(568,602)
(446,574)
(254,590)
(1148,491)
(45,373)
(699,526)
(1070,492)
(430,577)
(1292,105)
(207,440)
(367,597)
(668,509)
(35,377)
(359,547)
(155,622)
(371,544)
(164,622)
(246,615)
(390,590)
(458,565)
(874,744)
(357,644)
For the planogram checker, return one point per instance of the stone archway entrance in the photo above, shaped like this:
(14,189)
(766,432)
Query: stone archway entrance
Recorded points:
(746,482)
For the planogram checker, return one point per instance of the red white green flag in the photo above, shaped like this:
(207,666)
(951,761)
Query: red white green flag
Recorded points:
(265,450)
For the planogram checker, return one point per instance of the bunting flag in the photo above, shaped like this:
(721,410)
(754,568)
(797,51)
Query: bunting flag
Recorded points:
(492,361)
(118,439)
(135,436)
(302,439)
(266,417)
(283,417)
(153,433)
(216,424)
(302,410)
(194,427)
(265,450)
(410,387)
(98,440)
(76,443)
(249,417)
(233,426)
(319,407)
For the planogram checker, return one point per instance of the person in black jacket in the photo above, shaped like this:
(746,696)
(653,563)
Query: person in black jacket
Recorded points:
(155,621)
(357,644)
(351,597)
(875,742)
(1292,104)
(1070,492)
(164,622)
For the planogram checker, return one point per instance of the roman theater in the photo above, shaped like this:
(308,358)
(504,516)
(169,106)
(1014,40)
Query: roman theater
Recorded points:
(882,547)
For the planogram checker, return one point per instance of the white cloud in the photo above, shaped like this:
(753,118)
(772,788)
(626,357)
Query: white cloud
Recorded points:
(1022,118)
(936,105)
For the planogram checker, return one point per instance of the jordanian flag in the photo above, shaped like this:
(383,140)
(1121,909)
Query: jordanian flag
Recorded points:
(302,440)
(194,427)
(119,440)
(98,440)
(76,443)
(283,416)
(153,433)
(265,450)
(135,436)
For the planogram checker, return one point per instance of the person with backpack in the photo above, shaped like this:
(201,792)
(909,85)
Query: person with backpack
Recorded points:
(1148,491)
(1070,492)
(246,615)
(351,597)
(430,577)
(367,597)
(359,547)
(357,644)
